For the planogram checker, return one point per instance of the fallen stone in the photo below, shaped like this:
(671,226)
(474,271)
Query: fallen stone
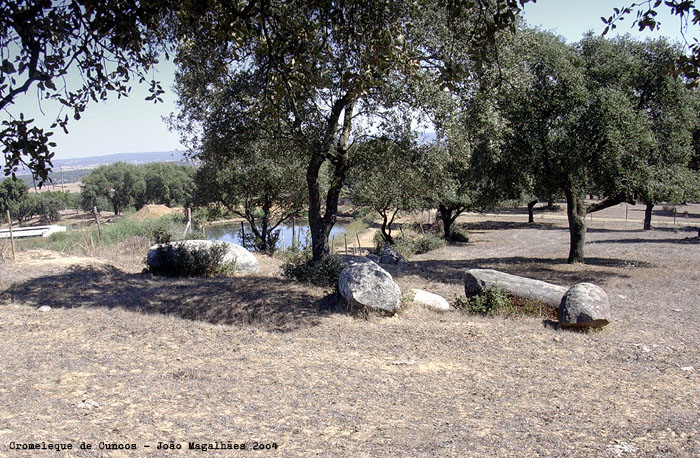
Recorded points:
(243,259)
(366,285)
(584,305)
(429,300)
(391,256)
(44,308)
(477,280)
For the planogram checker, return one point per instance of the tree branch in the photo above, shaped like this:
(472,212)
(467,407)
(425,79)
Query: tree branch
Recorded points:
(610,202)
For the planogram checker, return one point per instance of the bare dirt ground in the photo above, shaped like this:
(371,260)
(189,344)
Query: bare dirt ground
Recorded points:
(124,357)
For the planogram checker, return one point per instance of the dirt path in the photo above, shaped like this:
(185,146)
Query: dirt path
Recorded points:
(125,357)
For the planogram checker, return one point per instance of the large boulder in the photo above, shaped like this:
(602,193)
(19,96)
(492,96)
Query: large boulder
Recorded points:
(429,300)
(244,260)
(584,305)
(366,285)
(477,280)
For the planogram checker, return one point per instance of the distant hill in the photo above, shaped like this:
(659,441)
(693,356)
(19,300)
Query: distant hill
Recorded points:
(75,169)
(130,158)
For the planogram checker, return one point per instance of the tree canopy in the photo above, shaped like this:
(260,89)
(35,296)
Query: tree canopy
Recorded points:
(320,73)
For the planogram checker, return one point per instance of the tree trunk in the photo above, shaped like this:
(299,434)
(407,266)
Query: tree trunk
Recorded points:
(320,225)
(317,226)
(386,226)
(531,211)
(647,216)
(576,213)
(447,220)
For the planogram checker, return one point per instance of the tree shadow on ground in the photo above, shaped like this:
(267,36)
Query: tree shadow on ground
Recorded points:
(266,302)
(595,270)
(669,213)
(500,225)
(690,229)
(686,240)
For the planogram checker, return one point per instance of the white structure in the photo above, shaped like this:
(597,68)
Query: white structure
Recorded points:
(36,231)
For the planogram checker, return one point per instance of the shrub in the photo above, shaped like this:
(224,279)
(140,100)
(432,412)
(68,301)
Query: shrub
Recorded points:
(407,246)
(299,266)
(490,301)
(458,236)
(428,242)
(181,261)
(160,231)
(495,301)
(379,242)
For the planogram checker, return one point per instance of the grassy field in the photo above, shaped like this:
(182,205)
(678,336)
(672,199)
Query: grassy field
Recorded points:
(125,357)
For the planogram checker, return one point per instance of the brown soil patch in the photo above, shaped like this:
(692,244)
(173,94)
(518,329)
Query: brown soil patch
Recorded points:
(153,211)
(126,357)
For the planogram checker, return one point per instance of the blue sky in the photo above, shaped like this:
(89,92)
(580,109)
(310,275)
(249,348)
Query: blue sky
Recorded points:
(135,125)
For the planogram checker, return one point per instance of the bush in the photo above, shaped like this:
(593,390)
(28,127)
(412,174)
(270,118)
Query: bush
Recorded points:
(379,242)
(458,236)
(490,301)
(300,267)
(495,301)
(181,261)
(209,213)
(407,246)
(160,231)
(428,242)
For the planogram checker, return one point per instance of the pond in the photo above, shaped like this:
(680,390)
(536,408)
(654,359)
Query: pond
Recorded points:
(232,233)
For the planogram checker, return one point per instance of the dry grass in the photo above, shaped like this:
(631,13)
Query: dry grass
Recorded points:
(152,211)
(260,359)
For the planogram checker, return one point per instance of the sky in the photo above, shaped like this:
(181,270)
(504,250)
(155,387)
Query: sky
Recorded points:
(134,125)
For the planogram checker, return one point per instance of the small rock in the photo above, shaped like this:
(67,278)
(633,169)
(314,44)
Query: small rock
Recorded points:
(622,448)
(88,404)
(403,362)
(558,339)
(677,310)
(44,308)
(688,368)
(391,256)
(584,305)
(429,300)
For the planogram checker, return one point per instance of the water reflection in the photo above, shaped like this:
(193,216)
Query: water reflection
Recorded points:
(232,233)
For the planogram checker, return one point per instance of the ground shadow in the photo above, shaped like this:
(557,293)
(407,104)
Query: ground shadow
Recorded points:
(669,213)
(596,270)
(501,225)
(266,302)
(686,240)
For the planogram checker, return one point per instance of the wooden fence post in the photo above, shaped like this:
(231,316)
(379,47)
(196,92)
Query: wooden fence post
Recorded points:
(99,226)
(359,247)
(12,239)
(188,215)
(674,217)
(346,243)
